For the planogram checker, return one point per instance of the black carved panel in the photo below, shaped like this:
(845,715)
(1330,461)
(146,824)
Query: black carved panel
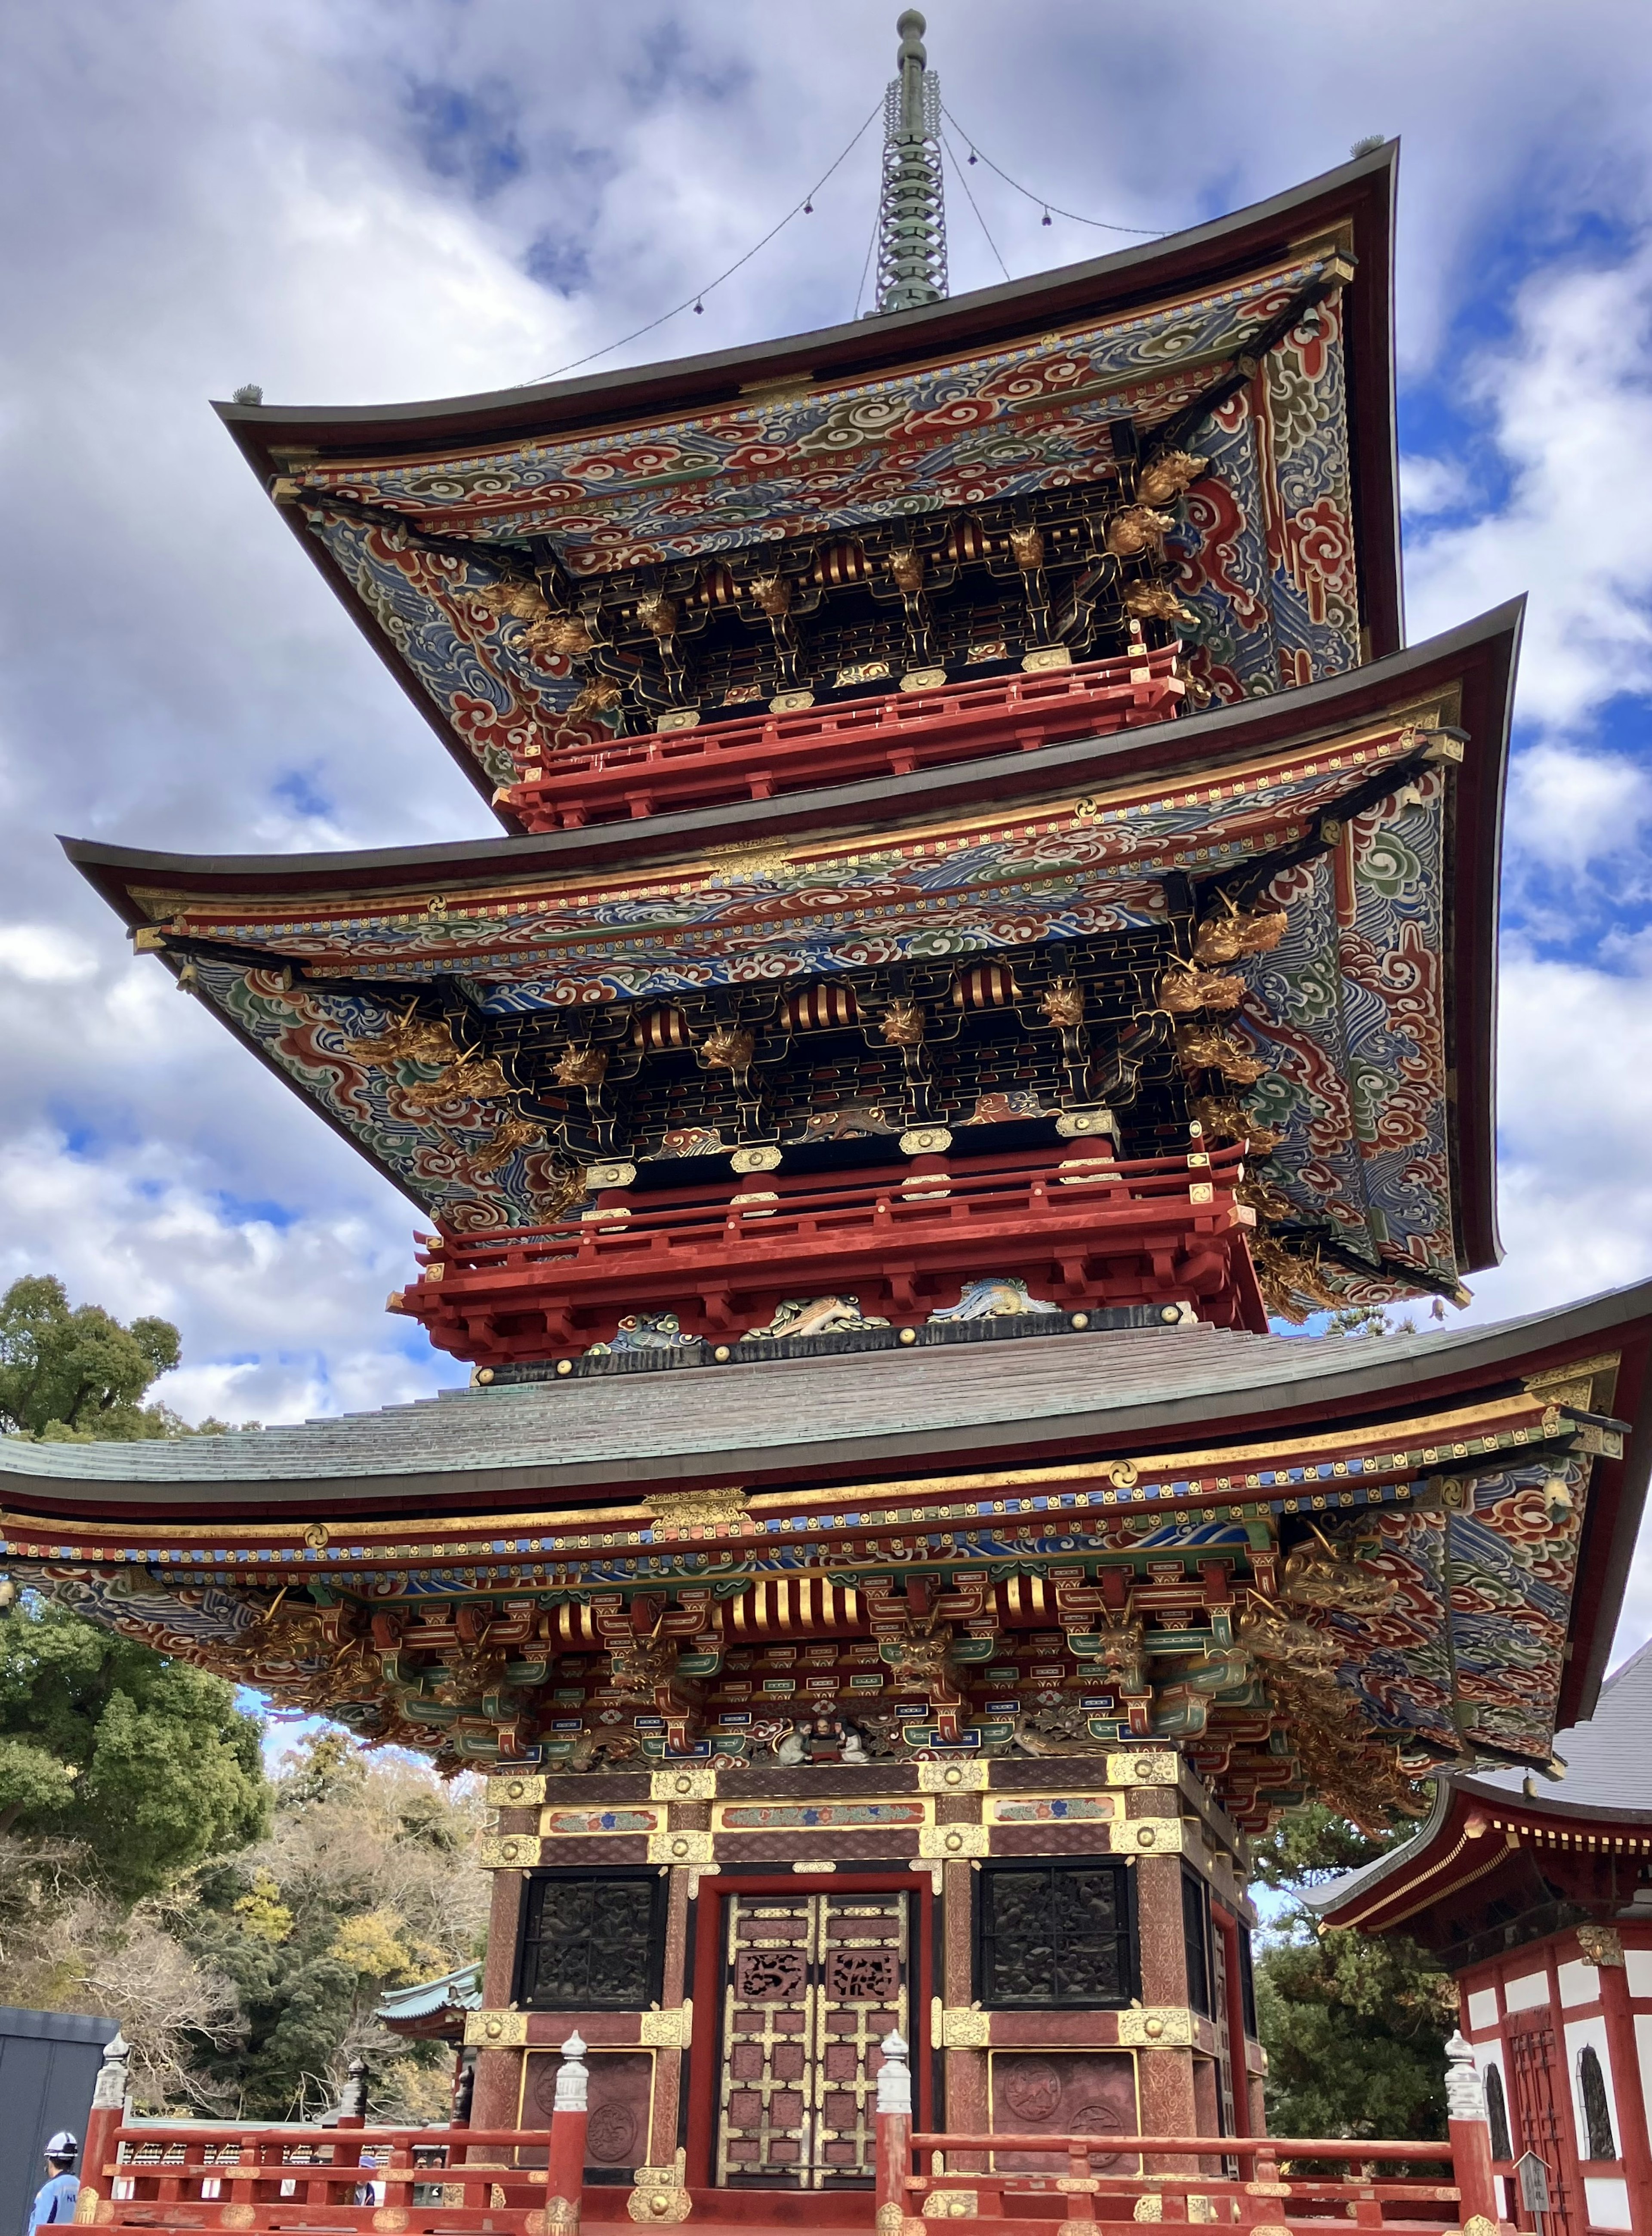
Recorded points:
(593,1943)
(1056,1934)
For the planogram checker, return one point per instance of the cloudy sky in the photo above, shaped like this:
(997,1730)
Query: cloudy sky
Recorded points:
(362,200)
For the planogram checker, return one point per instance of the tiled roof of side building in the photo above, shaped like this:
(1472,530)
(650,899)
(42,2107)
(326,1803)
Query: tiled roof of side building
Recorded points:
(1607,1775)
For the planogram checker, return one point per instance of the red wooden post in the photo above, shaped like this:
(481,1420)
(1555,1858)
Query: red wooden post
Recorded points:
(109,2109)
(565,2174)
(895,2146)
(1629,2101)
(1470,2137)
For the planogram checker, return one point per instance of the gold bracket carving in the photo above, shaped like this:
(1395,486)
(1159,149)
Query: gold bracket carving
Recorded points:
(680,1848)
(693,1784)
(1601,1945)
(1162,2027)
(951,1778)
(951,2204)
(698,1509)
(516,1792)
(516,1852)
(496,2029)
(669,2030)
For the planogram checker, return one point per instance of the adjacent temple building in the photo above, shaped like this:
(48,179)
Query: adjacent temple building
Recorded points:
(988,912)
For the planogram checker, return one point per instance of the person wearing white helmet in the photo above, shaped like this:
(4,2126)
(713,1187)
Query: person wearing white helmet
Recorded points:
(55,2199)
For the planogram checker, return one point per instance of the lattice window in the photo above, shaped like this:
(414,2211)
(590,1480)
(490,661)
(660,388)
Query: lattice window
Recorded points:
(1195,1935)
(595,1942)
(1055,1934)
(1247,1981)
(1496,2115)
(1597,2111)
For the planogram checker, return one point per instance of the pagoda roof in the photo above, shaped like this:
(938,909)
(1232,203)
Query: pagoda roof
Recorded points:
(538,927)
(1604,1795)
(1002,392)
(1289,1417)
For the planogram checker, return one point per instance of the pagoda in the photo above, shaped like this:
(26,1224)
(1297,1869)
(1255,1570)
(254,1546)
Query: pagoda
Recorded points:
(988,912)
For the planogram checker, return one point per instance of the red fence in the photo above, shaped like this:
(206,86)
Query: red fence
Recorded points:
(1146,1231)
(756,756)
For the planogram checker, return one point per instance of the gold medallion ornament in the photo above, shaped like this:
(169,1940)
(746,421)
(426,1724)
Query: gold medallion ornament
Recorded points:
(496,2029)
(1166,2027)
(659,2193)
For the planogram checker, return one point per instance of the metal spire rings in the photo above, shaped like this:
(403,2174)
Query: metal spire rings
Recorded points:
(911,222)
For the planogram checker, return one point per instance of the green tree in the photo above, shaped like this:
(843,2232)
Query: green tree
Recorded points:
(369,1879)
(77,1376)
(1354,2027)
(1355,2031)
(77,1373)
(145,1764)
(1310,1845)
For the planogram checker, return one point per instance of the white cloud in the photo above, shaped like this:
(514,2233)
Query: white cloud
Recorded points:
(1567,808)
(1570,414)
(1432,485)
(43,956)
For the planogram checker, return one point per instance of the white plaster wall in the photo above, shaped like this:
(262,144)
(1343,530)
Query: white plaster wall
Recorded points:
(1482,2009)
(1608,2201)
(1637,1970)
(1579,1983)
(1590,2032)
(1527,1993)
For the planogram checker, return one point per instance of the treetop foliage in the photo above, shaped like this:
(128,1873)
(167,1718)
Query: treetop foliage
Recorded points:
(77,1376)
(1311,1845)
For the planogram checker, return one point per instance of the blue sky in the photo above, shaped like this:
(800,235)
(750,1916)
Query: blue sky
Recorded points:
(362,200)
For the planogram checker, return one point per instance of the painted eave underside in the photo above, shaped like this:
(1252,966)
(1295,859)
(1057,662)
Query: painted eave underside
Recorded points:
(1606,1787)
(1431,925)
(772,1424)
(459,667)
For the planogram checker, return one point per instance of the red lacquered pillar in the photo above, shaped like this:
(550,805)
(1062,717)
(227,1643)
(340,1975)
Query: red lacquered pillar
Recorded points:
(1628,2093)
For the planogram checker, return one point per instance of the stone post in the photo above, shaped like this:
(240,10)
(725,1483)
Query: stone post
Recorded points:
(565,2174)
(108,2110)
(895,2134)
(1470,2138)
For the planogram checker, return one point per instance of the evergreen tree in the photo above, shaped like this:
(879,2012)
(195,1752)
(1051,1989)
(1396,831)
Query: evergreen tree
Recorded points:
(1354,2026)
(145,1765)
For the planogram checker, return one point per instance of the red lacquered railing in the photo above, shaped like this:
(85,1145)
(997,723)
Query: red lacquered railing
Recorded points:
(1153,1230)
(1259,2194)
(199,2175)
(755,756)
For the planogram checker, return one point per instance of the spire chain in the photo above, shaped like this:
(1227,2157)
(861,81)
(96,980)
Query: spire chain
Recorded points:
(911,222)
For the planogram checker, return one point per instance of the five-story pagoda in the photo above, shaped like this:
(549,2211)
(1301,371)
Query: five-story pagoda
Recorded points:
(987,910)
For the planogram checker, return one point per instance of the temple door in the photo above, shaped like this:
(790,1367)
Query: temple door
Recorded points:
(1539,2122)
(811,1983)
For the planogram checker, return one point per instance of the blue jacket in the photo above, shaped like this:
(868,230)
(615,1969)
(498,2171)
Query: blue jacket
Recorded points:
(54,2199)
